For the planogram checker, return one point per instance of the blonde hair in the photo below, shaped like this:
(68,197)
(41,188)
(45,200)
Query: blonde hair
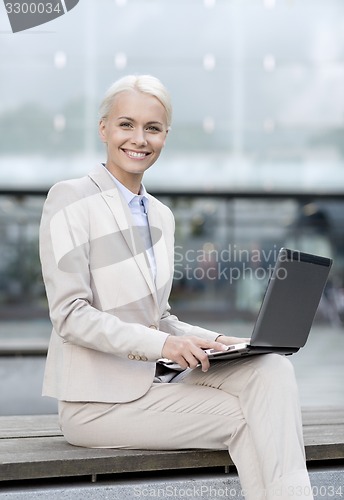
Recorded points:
(143,83)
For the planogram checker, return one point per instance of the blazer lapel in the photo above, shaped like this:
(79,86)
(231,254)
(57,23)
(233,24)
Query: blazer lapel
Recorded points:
(163,266)
(123,217)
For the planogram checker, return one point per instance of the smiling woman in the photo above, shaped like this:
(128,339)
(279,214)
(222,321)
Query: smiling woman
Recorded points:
(134,126)
(107,253)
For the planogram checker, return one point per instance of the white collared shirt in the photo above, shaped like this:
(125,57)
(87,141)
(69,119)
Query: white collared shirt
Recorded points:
(138,205)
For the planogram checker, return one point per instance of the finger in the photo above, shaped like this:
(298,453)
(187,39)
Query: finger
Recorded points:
(235,340)
(191,360)
(218,346)
(199,358)
(181,361)
(242,340)
(205,365)
(210,344)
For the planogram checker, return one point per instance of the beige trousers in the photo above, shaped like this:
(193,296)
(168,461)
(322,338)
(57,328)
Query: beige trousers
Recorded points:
(249,406)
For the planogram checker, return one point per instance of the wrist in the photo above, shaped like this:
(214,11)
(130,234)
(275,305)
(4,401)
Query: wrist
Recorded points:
(218,338)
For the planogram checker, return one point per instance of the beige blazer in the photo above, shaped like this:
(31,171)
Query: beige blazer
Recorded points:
(110,320)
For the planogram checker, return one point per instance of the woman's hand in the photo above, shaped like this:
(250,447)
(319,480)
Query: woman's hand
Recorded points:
(188,351)
(223,339)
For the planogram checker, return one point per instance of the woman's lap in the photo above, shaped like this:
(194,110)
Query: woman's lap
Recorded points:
(196,411)
(168,416)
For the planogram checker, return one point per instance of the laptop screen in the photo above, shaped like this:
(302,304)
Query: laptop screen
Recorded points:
(291,299)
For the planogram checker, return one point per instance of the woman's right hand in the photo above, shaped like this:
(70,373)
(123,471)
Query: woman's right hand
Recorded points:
(188,351)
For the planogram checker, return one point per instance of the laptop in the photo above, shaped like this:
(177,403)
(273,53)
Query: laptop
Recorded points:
(288,308)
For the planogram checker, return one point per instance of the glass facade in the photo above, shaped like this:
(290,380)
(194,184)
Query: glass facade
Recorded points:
(257,87)
(257,138)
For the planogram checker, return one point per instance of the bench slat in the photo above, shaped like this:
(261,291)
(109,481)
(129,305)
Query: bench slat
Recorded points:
(53,457)
(32,447)
(47,425)
(322,415)
(26,426)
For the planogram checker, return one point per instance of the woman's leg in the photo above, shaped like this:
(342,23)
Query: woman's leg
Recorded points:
(268,397)
(248,406)
(169,416)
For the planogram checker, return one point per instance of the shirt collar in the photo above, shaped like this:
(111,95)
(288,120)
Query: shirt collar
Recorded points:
(129,195)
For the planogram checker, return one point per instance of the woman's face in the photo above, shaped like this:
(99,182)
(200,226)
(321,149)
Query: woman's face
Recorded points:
(135,132)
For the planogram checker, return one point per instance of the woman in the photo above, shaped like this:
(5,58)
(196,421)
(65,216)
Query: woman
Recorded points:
(107,259)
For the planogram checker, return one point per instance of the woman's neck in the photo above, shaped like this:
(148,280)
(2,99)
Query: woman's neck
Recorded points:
(129,180)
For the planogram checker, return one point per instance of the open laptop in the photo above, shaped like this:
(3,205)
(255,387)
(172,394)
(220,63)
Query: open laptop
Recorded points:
(288,308)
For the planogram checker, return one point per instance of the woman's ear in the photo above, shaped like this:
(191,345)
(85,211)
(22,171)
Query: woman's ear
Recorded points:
(102,130)
(167,131)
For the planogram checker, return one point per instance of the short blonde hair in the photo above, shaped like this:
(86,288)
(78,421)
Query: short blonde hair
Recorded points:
(143,83)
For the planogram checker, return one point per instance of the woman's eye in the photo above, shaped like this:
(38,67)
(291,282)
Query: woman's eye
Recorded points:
(153,128)
(125,125)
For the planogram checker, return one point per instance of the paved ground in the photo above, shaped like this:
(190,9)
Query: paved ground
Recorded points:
(327,484)
(319,366)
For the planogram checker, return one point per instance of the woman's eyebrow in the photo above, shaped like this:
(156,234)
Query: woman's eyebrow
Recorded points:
(125,118)
(132,120)
(155,122)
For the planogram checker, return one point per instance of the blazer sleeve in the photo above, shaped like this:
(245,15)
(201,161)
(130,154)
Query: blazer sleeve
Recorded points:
(171,324)
(70,293)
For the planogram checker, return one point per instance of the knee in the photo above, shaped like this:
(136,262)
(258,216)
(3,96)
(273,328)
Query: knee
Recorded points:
(276,362)
(276,368)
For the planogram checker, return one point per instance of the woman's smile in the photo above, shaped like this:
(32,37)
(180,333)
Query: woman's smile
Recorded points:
(134,132)
(136,155)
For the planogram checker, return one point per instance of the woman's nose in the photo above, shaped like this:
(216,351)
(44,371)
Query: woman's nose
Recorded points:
(139,137)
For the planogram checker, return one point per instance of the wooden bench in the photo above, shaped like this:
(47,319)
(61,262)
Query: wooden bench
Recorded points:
(32,447)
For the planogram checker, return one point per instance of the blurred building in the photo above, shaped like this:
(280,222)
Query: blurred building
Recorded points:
(257,87)
(254,160)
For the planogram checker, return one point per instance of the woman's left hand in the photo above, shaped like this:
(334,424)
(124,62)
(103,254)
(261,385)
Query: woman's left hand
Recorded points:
(232,340)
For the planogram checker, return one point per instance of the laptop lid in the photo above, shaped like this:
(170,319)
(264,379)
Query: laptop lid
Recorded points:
(291,299)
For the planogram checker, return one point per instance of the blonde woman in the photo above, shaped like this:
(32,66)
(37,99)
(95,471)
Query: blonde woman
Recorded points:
(107,251)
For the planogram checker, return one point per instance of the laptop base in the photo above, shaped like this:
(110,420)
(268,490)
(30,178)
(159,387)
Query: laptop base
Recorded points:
(251,351)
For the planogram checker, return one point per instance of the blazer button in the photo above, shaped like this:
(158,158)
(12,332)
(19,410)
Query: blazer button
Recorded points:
(131,356)
(153,327)
(137,357)
(143,358)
